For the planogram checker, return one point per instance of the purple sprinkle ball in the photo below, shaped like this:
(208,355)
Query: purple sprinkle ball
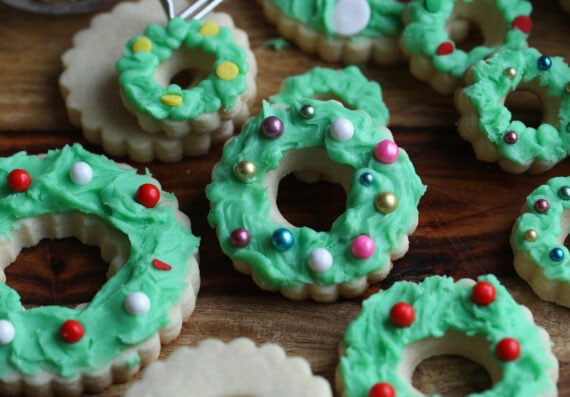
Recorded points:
(272,127)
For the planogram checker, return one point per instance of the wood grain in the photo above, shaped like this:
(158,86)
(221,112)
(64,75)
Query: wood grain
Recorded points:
(465,216)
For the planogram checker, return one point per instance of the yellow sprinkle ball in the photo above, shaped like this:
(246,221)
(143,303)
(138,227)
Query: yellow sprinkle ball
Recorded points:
(209,29)
(142,44)
(171,99)
(227,70)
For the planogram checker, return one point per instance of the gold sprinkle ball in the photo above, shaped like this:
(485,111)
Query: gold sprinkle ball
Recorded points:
(511,73)
(171,100)
(142,44)
(245,171)
(209,29)
(386,202)
(531,235)
(227,70)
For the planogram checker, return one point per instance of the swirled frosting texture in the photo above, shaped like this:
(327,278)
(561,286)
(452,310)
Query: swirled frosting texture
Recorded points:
(547,226)
(374,346)
(154,233)
(348,85)
(138,66)
(427,30)
(236,204)
(550,141)
(385,16)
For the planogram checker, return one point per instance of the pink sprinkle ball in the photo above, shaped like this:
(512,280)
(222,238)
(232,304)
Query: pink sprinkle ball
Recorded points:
(363,247)
(386,152)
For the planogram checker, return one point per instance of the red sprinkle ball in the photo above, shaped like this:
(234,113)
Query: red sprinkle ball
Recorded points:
(148,195)
(541,205)
(19,180)
(508,349)
(445,48)
(402,314)
(483,293)
(382,389)
(160,265)
(523,23)
(71,331)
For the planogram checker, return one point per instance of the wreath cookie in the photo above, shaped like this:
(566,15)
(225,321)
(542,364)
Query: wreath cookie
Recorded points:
(434,26)
(238,368)
(175,120)
(153,273)
(349,31)
(537,240)
(317,139)
(400,327)
(488,125)
(348,86)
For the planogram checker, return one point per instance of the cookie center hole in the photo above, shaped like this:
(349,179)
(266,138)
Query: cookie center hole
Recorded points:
(476,23)
(187,68)
(453,365)
(450,376)
(54,259)
(525,106)
(532,105)
(309,177)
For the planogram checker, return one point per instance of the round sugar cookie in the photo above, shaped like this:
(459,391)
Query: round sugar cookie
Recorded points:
(237,368)
(400,327)
(153,277)
(348,31)
(434,27)
(91,89)
(316,140)
(537,240)
(488,124)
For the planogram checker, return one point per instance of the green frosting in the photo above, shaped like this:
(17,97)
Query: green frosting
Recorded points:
(548,227)
(426,31)
(550,142)
(374,345)
(154,233)
(137,69)
(348,86)
(236,204)
(385,18)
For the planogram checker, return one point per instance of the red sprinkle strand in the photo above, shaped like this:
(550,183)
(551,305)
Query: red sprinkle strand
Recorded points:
(402,314)
(71,331)
(508,349)
(147,195)
(483,293)
(382,389)
(19,180)
(160,265)
(523,23)
(445,48)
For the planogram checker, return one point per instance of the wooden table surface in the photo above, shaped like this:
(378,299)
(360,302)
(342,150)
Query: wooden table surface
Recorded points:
(465,216)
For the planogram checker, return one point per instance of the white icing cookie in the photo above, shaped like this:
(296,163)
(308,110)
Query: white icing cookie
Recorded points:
(238,368)
(91,90)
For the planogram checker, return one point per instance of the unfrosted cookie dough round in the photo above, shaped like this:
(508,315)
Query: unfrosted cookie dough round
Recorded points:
(315,140)
(153,277)
(434,26)
(348,31)
(537,240)
(400,327)
(90,86)
(237,368)
(488,125)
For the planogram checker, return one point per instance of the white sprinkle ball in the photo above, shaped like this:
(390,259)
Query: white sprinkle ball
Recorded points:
(320,260)
(137,303)
(7,332)
(342,130)
(81,173)
(350,16)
